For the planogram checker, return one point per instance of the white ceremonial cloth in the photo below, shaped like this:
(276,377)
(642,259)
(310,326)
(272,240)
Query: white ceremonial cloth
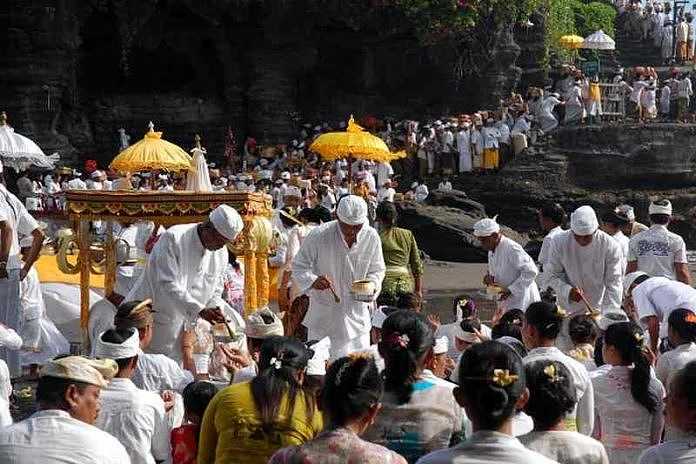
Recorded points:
(595,268)
(626,427)
(159,372)
(126,257)
(182,278)
(101,319)
(324,252)
(386,194)
(656,250)
(566,447)
(679,451)
(547,119)
(198,177)
(53,436)
(670,362)
(659,296)
(515,270)
(622,241)
(22,222)
(464,149)
(584,392)
(485,447)
(545,258)
(137,419)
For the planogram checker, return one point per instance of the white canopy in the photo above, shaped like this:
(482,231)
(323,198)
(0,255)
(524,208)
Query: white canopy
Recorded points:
(18,151)
(599,41)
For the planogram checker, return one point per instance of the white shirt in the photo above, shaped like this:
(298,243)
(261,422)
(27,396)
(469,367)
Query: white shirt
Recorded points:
(18,218)
(385,194)
(584,410)
(659,296)
(515,270)
(566,447)
(464,141)
(158,372)
(656,250)
(11,341)
(101,319)
(53,436)
(622,241)
(670,362)
(421,192)
(486,447)
(136,418)
(545,257)
(324,252)
(77,184)
(182,278)
(445,186)
(679,451)
(626,427)
(490,137)
(595,268)
(383,171)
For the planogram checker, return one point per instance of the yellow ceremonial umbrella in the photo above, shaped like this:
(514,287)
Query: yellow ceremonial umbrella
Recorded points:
(152,153)
(571,42)
(354,143)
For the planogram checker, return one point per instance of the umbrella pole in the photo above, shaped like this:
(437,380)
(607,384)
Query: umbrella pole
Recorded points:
(350,174)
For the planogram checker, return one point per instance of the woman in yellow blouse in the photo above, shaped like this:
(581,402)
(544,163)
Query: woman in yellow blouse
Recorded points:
(248,422)
(401,254)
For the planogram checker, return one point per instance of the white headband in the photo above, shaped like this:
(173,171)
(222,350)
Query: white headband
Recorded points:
(317,364)
(441,345)
(129,348)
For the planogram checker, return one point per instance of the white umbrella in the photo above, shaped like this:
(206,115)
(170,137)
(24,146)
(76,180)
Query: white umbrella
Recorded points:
(18,151)
(599,41)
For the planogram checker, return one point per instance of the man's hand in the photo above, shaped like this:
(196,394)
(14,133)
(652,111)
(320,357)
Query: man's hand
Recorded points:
(322,283)
(168,397)
(212,315)
(434,320)
(575,295)
(188,338)
(488,279)
(234,359)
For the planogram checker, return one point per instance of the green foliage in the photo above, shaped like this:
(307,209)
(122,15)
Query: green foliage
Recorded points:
(593,16)
(565,17)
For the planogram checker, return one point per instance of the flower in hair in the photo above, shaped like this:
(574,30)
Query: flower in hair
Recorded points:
(561,312)
(277,363)
(399,340)
(690,318)
(639,337)
(341,371)
(551,373)
(503,378)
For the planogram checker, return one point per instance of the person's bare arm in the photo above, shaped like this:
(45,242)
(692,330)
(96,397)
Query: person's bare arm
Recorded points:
(682,273)
(654,330)
(5,245)
(33,255)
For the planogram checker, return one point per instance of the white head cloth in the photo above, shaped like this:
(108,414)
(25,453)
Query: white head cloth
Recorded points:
(79,369)
(629,279)
(352,210)
(441,345)
(611,317)
(660,207)
(226,221)
(583,221)
(486,227)
(258,328)
(628,211)
(378,318)
(293,191)
(317,364)
(129,348)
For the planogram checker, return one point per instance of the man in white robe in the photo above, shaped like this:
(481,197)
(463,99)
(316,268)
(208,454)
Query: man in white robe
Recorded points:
(551,218)
(586,262)
(135,417)
(464,148)
(184,276)
(509,266)
(331,258)
(61,430)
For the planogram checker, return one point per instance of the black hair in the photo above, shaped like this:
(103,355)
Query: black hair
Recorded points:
(682,384)
(287,222)
(386,299)
(409,301)
(546,318)
(406,338)
(612,217)
(490,403)
(598,356)
(513,316)
(278,379)
(323,213)
(662,219)
(352,385)
(582,329)
(627,339)
(683,323)
(551,393)
(50,392)
(554,212)
(310,215)
(119,336)
(386,213)
(468,309)
(506,329)
(197,395)
(471,324)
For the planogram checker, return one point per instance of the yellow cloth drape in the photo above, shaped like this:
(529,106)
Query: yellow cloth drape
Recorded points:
(491,158)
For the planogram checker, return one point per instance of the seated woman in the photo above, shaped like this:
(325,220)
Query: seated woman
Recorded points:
(551,399)
(255,419)
(681,414)
(491,388)
(418,416)
(351,397)
(628,398)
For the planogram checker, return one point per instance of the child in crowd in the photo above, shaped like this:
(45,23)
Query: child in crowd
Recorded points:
(583,333)
(551,399)
(628,398)
(681,330)
(184,439)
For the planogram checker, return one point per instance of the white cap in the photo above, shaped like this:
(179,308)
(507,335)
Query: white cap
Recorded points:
(662,206)
(352,210)
(441,345)
(226,221)
(611,317)
(285,175)
(629,279)
(378,317)
(79,369)
(129,348)
(627,210)
(258,328)
(317,363)
(293,191)
(583,221)
(486,227)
